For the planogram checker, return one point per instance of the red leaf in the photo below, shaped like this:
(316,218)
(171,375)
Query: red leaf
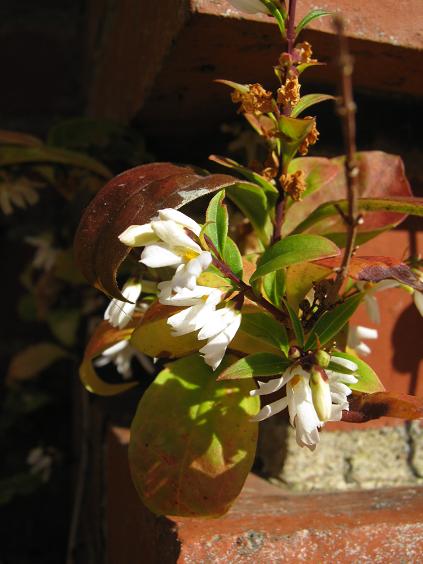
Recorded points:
(364,407)
(380,175)
(375,269)
(133,197)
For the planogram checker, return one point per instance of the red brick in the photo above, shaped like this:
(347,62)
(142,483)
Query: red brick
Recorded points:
(266,524)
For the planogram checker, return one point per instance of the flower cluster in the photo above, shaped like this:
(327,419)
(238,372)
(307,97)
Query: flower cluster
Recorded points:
(312,397)
(170,240)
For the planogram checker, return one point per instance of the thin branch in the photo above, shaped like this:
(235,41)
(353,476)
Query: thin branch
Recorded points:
(290,32)
(346,111)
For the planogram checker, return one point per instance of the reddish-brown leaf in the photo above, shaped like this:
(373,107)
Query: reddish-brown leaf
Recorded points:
(375,269)
(104,337)
(133,197)
(380,175)
(364,407)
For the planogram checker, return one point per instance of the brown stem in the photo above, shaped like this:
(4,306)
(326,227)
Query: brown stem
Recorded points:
(346,111)
(290,32)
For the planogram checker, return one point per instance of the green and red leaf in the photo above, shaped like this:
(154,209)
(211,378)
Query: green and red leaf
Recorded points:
(365,407)
(192,440)
(385,198)
(375,269)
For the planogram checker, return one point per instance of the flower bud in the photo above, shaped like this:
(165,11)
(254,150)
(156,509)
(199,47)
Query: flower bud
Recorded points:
(320,392)
(294,353)
(322,358)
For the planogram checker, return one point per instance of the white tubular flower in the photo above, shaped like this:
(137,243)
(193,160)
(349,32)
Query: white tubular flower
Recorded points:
(356,334)
(186,274)
(220,329)
(197,315)
(418,301)
(370,299)
(119,313)
(249,6)
(311,399)
(121,355)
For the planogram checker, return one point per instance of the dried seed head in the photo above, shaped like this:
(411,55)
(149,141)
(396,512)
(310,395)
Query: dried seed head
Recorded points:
(289,93)
(256,100)
(304,52)
(311,138)
(294,184)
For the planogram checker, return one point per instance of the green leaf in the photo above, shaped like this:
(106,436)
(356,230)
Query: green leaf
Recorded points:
(254,365)
(308,18)
(192,440)
(297,326)
(21,155)
(368,380)
(266,328)
(300,279)
(331,322)
(253,204)
(309,100)
(64,324)
(294,131)
(253,177)
(273,287)
(243,88)
(232,257)
(292,250)
(217,221)
(411,206)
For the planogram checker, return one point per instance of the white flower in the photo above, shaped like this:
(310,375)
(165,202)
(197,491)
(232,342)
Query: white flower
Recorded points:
(249,6)
(309,408)
(418,301)
(371,302)
(197,315)
(19,193)
(220,329)
(165,239)
(356,334)
(186,274)
(119,313)
(40,462)
(45,255)
(121,355)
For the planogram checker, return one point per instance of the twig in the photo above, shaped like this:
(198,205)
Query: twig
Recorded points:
(346,111)
(244,288)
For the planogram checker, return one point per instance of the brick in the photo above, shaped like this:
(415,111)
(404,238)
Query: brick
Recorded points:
(266,524)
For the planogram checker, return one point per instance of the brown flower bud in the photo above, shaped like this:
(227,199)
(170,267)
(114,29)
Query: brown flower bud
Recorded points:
(256,100)
(294,184)
(311,138)
(289,93)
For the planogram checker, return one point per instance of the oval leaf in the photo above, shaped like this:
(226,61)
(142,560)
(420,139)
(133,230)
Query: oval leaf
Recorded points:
(375,269)
(381,186)
(292,250)
(331,322)
(254,365)
(192,442)
(217,221)
(264,327)
(29,362)
(309,100)
(368,380)
(364,407)
(133,197)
